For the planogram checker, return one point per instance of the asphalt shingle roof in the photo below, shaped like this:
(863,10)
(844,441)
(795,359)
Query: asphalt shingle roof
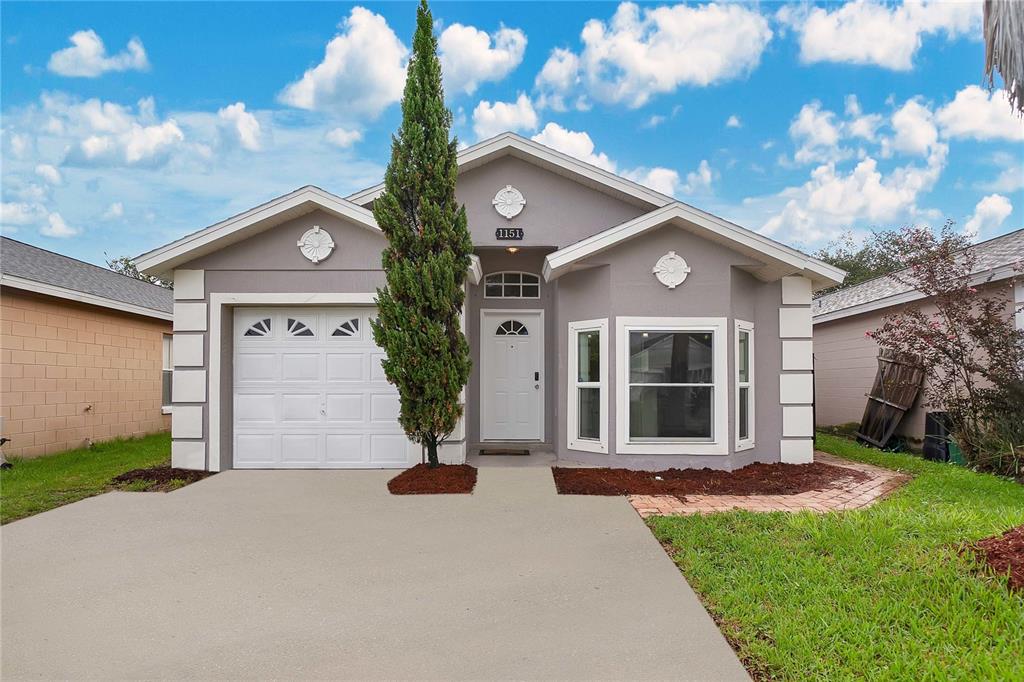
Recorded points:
(18,259)
(994,253)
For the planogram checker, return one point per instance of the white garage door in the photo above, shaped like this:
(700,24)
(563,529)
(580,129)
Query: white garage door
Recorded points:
(310,392)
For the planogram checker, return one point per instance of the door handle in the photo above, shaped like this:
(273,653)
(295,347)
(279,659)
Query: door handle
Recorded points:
(536,376)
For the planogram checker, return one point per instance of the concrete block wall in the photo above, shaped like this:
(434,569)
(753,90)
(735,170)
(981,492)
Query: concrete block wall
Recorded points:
(796,380)
(73,373)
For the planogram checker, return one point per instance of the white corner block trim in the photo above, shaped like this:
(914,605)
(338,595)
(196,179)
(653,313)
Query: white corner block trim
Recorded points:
(797,354)
(796,291)
(797,420)
(190,317)
(795,323)
(188,350)
(797,451)
(452,453)
(189,386)
(187,421)
(189,284)
(796,389)
(188,454)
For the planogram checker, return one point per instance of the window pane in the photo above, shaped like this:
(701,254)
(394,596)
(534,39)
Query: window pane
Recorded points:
(492,290)
(530,279)
(744,415)
(670,412)
(167,348)
(531,291)
(511,291)
(166,388)
(670,357)
(744,358)
(588,357)
(590,413)
(512,278)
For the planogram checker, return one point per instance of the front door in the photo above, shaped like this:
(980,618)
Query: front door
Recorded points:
(511,375)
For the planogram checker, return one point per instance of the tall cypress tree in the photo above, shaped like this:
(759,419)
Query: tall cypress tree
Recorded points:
(427,255)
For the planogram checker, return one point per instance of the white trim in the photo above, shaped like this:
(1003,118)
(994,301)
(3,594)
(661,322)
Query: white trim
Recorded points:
(217,302)
(485,313)
(795,323)
(188,386)
(476,270)
(187,350)
(796,388)
(797,420)
(188,454)
(719,444)
(513,298)
(187,422)
(748,442)
(80,297)
(797,354)
(189,284)
(796,451)
(573,440)
(796,290)
(561,261)
(189,317)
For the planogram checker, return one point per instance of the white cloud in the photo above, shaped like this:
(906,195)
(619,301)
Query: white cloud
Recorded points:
(491,119)
(974,113)
(56,227)
(20,214)
(575,144)
(642,53)
(989,214)
(468,57)
(698,180)
(48,173)
(817,133)
(655,121)
(733,122)
(868,32)
(87,57)
(915,129)
(664,180)
(362,73)
(243,125)
(1011,175)
(864,126)
(342,138)
(558,77)
(114,211)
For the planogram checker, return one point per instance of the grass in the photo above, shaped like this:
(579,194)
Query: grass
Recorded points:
(876,593)
(42,483)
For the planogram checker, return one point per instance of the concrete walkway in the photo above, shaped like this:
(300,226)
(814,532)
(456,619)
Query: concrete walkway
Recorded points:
(292,574)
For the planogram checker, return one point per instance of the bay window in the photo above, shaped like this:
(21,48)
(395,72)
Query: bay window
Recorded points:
(587,422)
(744,385)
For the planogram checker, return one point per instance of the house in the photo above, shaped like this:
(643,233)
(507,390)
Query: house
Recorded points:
(846,359)
(608,323)
(86,352)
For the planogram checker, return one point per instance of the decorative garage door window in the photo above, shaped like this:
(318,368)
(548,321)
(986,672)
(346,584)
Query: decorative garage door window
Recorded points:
(511,285)
(347,328)
(512,328)
(259,328)
(298,328)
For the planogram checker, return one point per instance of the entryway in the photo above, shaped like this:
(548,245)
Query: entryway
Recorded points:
(512,375)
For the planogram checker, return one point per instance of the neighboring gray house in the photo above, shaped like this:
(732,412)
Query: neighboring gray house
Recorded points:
(609,323)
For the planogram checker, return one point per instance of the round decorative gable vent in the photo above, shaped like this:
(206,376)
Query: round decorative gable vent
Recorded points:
(509,202)
(671,270)
(316,244)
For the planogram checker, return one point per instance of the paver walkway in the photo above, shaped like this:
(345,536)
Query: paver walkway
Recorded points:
(846,495)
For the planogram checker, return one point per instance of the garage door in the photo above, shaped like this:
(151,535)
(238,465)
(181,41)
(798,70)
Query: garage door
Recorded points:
(310,393)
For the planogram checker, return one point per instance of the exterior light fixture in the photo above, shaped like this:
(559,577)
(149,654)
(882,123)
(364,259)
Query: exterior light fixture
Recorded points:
(512,249)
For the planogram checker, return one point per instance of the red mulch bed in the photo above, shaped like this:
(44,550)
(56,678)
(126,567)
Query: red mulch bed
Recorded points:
(1004,554)
(442,479)
(160,477)
(754,479)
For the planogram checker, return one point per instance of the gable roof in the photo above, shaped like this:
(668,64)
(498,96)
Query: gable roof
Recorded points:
(777,259)
(30,268)
(236,228)
(510,144)
(996,259)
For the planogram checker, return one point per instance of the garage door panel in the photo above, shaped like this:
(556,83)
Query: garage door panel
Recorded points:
(344,448)
(388,449)
(384,407)
(300,448)
(255,448)
(254,367)
(255,407)
(300,407)
(376,370)
(345,407)
(346,367)
(300,366)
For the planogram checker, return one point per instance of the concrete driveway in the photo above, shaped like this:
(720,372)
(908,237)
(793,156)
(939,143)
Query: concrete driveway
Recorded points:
(303,574)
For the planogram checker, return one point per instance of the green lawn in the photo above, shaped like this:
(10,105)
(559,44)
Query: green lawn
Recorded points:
(35,485)
(877,593)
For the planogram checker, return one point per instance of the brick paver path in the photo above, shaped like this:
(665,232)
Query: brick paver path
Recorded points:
(845,495)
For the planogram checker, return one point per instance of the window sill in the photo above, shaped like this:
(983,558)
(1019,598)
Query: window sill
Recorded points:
(166,409)
(588,446)
(744,445)
(676,448)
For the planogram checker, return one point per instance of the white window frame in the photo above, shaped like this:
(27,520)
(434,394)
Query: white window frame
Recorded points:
(719,442)
(573,439)
(167,365)
(748,442)
(483,283)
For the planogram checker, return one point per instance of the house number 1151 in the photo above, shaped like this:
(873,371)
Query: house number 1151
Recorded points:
(515,233)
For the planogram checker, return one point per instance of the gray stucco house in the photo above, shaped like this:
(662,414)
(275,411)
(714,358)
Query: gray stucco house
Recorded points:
(609,324)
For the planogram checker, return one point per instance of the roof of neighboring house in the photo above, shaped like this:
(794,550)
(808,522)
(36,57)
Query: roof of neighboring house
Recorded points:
(23,266)
(996,259)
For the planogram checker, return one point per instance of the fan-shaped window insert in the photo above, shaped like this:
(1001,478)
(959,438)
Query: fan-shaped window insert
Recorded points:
(298,328)
(347,328)
(512,328)
(511,285)
(259,328)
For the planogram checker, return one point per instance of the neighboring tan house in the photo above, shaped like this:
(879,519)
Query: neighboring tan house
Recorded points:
(85,352)
(608,323)
(845,359)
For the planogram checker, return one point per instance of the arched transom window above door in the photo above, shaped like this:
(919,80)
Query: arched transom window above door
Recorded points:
(511,328)
(511,285)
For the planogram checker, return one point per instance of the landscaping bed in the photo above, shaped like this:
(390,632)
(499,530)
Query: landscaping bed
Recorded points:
(754,479)
(158,479)
(425,480)
(1004,554)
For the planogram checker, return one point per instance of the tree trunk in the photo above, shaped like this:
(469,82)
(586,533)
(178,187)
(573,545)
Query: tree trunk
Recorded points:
(432,460)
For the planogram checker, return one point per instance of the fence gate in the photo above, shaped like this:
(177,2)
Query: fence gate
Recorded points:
(893,393)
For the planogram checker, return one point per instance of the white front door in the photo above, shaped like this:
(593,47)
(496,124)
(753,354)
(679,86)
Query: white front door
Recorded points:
(511,375)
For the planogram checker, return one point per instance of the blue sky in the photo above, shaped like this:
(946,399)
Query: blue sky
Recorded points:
(127,125)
